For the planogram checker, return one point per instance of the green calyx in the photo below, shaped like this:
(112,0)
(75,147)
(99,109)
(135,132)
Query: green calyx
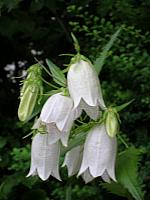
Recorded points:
(65,92)
(42,129)
(78,57)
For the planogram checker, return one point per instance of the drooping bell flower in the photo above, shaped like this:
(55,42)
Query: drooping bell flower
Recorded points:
(84,88)
(73,160)
(29,94)
(99,154)
(112,122)
(58,115)
(44,157)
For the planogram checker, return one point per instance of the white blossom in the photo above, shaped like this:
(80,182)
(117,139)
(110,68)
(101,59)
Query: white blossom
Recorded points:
(73,160)
(58,115)
(99,154)
(44,157)
(84,88)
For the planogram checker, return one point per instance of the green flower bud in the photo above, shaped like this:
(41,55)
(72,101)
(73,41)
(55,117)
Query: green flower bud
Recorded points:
(112,122)
(29,94)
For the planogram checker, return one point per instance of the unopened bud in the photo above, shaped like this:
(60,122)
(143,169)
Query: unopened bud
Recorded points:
(112,123)
(29,93)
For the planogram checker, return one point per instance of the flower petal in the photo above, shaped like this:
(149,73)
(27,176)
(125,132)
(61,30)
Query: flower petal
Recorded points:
(73,160)
(106,177)
(57,109)
(32,171)
(91,152)
(53,133)
(44,157)
(112,160)
(92,111)
(87,177)
(67,128)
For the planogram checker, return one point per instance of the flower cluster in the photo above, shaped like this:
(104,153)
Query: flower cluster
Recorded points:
(96,157)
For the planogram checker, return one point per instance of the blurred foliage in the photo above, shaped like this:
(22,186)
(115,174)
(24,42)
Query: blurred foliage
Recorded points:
(36,28)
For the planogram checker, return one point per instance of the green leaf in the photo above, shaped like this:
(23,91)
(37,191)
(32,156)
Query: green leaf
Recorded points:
(57,74)
(99,62)
(127,172)
(127,184)
(116,188)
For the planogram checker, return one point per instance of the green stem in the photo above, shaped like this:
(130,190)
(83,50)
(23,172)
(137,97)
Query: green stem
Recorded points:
(47,71)
(28,134)
(123,142)
(68,192)
(49,84)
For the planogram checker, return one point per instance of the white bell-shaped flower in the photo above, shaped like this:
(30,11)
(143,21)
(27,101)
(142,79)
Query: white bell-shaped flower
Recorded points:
(73,160)
(44,157)
(84,88)
(58,115)
(99,154)
(57,109)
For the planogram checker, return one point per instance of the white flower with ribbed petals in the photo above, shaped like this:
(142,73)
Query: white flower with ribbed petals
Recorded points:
(99,154)
(58,115)
(84,88)
(73,160)
(44,157)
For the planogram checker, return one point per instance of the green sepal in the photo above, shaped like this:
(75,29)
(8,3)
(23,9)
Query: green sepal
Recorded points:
(76,43)
(78,57)
(121,107)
